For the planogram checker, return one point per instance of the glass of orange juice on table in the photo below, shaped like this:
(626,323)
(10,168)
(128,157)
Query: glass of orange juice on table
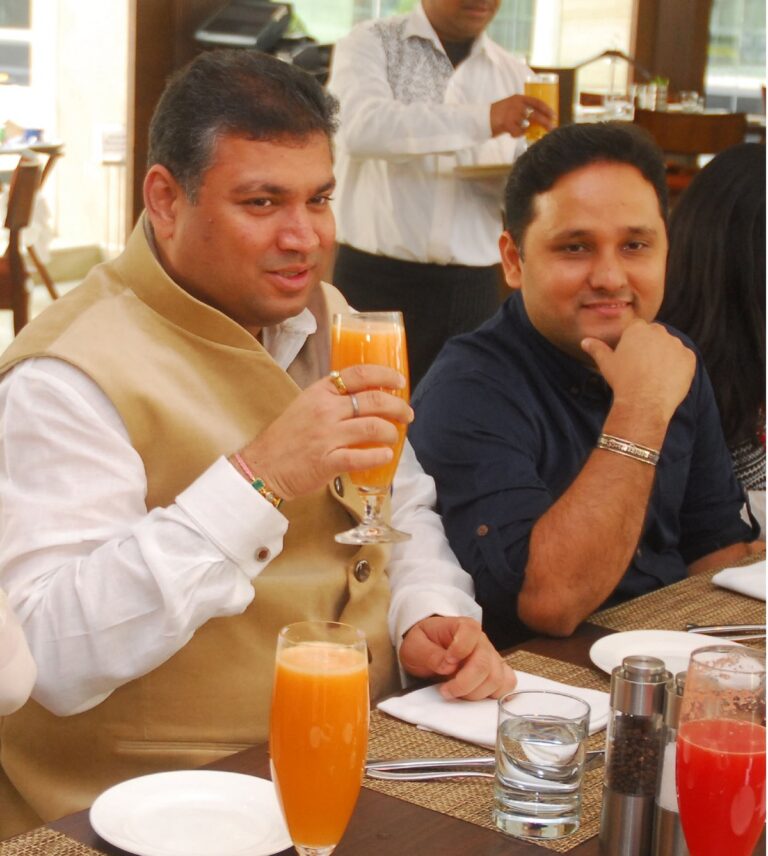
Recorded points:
(377,338)
(318,735)
(545,87)
(721,751)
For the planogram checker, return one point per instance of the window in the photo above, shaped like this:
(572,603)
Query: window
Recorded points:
(329,20)
(15,36)
(736,57)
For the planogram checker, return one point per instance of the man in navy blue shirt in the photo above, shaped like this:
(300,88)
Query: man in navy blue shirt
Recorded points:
(575,443)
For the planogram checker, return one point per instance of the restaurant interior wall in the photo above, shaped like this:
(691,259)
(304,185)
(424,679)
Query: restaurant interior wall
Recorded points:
(75,92)
(160,37)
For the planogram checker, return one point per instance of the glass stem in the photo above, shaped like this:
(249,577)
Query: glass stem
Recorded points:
(372,504)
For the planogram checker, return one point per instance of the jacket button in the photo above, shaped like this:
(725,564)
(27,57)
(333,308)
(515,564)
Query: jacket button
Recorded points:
(338,484)
(482,530)
(362,571)
(263,554)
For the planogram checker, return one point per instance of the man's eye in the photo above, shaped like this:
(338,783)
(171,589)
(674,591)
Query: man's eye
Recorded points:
(260,202)
(322,200)
(573,249)
(636,245)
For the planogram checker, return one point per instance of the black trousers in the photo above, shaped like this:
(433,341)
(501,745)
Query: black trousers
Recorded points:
(437,301)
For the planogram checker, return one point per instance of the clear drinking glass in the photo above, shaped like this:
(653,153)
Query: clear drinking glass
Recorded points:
(721,751)
(545,87)
(318,735)
(377,338)
(540,750)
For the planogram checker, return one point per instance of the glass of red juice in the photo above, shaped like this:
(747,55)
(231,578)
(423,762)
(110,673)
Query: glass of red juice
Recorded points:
(721,751)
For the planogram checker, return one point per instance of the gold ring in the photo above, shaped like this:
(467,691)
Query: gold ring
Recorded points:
(524,124)
(355,405)
(528,112)
(338,382)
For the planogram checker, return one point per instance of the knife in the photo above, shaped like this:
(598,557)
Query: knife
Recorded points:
(423,769)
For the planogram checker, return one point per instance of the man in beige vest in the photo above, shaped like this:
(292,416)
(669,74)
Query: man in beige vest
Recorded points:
(150,570)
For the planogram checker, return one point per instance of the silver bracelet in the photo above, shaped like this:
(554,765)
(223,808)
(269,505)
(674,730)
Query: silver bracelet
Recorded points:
(628,448)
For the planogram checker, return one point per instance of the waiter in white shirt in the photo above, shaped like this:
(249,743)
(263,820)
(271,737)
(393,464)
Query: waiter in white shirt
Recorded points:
(421,94)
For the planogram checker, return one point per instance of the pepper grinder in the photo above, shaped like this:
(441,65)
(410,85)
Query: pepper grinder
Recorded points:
(632,755)
(668,838)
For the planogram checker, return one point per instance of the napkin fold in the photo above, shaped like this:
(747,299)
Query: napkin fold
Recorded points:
(747,579)
(475,721)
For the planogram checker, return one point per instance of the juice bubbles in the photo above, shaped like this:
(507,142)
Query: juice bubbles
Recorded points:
(546,87)
(358,339)
(319,737)
(721,785)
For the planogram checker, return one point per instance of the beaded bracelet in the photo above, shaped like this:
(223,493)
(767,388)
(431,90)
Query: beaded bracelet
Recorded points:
(628,449)
(257,484)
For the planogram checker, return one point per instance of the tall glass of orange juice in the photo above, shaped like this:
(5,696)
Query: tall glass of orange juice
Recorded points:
(546,87)
(318,735)
(377,338)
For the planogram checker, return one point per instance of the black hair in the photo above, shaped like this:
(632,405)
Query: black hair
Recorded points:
(569,148)
(233,91)
(715,288)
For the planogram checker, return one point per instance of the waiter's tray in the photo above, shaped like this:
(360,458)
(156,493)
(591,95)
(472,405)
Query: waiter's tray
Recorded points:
(488,170)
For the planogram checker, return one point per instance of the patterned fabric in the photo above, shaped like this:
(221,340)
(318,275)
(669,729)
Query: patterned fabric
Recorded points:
(749,464)
(416,70)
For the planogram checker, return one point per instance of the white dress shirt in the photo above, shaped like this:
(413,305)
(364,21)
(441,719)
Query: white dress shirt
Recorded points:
(90,572)
(407,119)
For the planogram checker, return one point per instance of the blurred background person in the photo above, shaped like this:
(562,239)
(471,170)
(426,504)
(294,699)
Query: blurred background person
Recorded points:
(421,94)
(715,292)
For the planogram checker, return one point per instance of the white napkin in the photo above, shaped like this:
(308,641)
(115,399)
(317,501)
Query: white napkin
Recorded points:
(748,579)
(475,721)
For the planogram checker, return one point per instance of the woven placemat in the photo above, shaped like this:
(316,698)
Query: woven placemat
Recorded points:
(471,799)
(696,599)
(44,842)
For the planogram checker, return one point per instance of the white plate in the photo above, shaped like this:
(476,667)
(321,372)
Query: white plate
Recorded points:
(672,646)
(192,813)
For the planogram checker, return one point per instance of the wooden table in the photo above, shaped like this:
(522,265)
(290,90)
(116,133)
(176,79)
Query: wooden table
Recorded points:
(383,825)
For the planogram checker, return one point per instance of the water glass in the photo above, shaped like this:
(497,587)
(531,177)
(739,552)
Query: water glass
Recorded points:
(540,750)
(690,102)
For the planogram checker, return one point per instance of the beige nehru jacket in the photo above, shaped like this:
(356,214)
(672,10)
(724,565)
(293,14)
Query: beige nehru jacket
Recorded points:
(190,385)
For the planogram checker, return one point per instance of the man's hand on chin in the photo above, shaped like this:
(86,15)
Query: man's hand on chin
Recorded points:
(457,650)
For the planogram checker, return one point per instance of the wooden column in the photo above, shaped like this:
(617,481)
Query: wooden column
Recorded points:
(161,34)
(670,39)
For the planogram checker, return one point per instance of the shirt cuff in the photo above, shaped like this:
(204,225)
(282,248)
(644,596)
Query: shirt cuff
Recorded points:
(236,518)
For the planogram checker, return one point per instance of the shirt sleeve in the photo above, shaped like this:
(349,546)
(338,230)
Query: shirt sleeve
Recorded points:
(425,575)
(373,124)
(105,590)
(491,492)
(713,514)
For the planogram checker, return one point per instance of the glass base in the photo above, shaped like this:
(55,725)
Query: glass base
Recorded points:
(535,828)
(372,533)
(305,850)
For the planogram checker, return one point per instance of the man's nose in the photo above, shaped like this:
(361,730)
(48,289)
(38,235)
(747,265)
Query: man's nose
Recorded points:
(298,233)
(607,272)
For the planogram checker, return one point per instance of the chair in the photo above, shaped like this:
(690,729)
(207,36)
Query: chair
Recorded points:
(13,272)
(53,151)
(684,136)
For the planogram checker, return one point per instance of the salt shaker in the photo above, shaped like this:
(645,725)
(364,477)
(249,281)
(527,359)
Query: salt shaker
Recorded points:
(632,755)
(668,838)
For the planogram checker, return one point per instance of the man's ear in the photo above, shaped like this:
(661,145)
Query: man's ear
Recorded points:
(511,260)
(162,194)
